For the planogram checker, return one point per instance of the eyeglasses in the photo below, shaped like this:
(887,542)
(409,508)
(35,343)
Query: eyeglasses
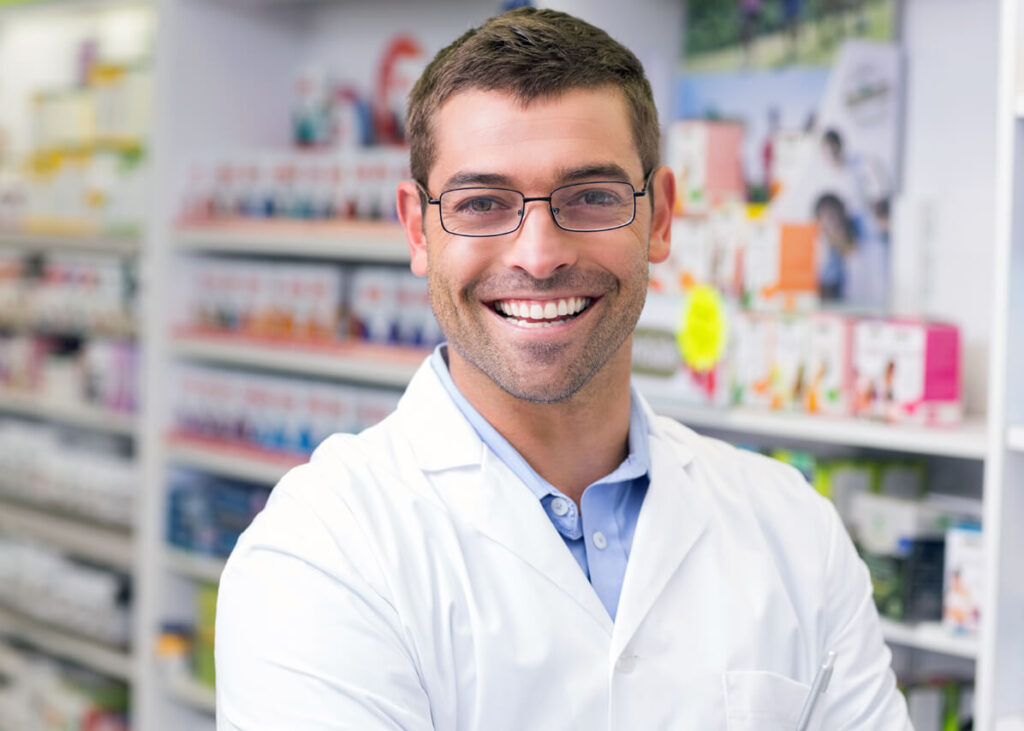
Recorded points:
(598,205)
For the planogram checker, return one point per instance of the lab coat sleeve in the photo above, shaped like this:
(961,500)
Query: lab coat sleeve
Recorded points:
(862,693)
(305,636)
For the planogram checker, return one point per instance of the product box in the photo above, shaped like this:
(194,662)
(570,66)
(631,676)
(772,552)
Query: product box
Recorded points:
(706,250)
(883,525)
(206,612)
(706,157)
(690,261)
(842,479)
(964,583)
(908,587)
(728,224)
(658,366)
(907,372)
(829,378)
(791,358)
(374,306)
(779,266)
(753,359)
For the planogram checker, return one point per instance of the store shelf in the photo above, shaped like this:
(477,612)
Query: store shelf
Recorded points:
(91,417)
(931,636)
(192,693)
(967,440)
(104,545)
(370,241)
(194,565)
(366,363)
(230,460)
(35,242)
(1015,438)
(99,657)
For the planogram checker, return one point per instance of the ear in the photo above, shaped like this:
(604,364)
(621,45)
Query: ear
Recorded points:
(410,213)
(663,186)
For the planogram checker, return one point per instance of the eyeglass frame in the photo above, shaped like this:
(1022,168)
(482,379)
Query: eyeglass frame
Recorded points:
(522,214)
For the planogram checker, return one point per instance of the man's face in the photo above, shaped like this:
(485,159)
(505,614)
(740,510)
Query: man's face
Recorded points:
(550,349)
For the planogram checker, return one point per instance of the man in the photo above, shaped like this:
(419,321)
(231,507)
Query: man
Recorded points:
(523,544)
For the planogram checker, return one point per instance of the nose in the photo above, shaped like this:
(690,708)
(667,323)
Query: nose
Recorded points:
(539,247)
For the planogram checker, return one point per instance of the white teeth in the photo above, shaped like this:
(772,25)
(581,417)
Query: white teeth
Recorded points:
(545,314)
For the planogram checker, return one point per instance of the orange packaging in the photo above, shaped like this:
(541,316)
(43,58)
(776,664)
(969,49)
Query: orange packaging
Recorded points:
(780,267)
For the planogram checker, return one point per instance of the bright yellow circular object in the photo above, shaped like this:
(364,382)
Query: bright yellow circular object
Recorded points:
(703,330)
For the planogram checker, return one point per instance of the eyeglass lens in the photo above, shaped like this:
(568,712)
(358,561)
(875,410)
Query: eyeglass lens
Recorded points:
(579,207)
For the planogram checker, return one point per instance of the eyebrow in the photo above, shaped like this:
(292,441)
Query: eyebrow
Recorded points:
(603,171)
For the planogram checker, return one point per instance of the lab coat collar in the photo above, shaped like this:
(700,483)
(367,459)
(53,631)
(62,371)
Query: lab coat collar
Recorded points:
(675,512)
(492,500)
(440,435)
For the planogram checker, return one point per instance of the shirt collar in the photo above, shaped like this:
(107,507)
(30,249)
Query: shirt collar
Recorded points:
(636,464)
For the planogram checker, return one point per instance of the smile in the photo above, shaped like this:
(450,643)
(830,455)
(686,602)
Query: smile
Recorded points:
(541,313)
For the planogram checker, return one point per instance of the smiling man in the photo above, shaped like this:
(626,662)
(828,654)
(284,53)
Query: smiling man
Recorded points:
(523,544)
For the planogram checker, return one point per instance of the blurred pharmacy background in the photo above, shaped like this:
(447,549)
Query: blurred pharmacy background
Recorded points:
(201,276)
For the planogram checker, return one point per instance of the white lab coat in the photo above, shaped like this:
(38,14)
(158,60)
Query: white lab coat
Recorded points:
(406,579)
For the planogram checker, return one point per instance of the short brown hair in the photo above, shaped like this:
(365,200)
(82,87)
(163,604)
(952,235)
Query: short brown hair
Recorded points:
(531,54)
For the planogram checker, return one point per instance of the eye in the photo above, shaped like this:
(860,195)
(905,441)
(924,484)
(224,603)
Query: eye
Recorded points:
(596,198)
(479,205)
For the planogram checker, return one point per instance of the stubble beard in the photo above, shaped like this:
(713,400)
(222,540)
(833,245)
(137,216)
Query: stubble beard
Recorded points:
(466,336)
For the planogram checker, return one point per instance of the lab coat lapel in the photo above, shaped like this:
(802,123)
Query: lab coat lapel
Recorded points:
(508,513)
(675,513)
(481,491)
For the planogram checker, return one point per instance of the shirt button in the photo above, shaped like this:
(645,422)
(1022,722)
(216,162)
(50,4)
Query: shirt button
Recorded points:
(600,542)
(626,664)
(559,506)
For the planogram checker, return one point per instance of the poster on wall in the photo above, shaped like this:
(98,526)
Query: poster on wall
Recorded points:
(816,87)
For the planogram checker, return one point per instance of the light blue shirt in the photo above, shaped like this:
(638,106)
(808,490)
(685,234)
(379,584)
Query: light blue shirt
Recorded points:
(600,533)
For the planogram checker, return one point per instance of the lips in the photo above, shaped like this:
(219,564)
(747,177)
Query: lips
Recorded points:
(541,313)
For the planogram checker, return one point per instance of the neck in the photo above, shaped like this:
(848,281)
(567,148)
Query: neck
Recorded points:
(570,443)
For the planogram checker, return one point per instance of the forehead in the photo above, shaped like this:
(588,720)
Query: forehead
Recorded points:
(492,133)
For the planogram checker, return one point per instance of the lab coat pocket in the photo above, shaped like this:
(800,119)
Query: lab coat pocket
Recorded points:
(763,701)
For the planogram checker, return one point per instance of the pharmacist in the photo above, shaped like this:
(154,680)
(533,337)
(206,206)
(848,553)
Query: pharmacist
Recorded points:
(523,544)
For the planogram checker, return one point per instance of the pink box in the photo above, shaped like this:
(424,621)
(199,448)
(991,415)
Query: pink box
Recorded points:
(706,159)
(907,372)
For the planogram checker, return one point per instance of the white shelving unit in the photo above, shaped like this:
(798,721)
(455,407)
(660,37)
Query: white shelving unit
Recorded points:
(36,242)
(351,241)
(930,636)
(192,694)
(69,413)
(259,467)
(1001,665)
(38,46)
(103,545)
(1015,439)
(94,655)
(379,365)
(203,568)
(968,441)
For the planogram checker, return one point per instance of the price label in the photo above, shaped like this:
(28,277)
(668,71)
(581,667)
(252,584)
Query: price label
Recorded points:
(703,329)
